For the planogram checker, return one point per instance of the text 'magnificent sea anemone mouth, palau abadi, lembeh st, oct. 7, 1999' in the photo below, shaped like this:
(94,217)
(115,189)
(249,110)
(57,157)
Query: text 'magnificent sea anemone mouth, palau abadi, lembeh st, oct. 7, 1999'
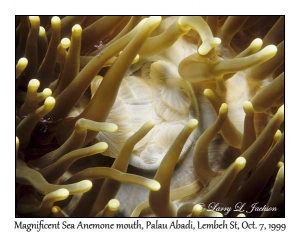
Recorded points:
(173,116)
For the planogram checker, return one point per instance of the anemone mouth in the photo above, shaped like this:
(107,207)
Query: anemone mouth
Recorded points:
(149,116)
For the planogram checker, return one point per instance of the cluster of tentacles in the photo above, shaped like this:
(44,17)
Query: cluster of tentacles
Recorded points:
(149,116)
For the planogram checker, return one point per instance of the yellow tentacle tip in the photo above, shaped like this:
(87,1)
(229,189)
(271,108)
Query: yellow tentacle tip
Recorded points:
(277,135)
(149,124)
(113,205)
(216,41)
(55,20)
(206,47)
(241,215)
(17,146)
(240,163)
(65,43)
(34,21)
(49,103)
(46,93)
(114,128)
(280,164)
(22,62)
(156,19)
(217,215)
(85,186)
(42,31)
(56,209)
(257,43)
(197,209)
(223,109)
(270,51)
(208,93)
(33,85)
(248,107)
(76,30)
(102,146)
(136,59)
(60,194)
(155,186)
(192,123)
(280,113)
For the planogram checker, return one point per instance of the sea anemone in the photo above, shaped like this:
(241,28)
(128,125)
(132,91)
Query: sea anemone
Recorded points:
(149,116)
